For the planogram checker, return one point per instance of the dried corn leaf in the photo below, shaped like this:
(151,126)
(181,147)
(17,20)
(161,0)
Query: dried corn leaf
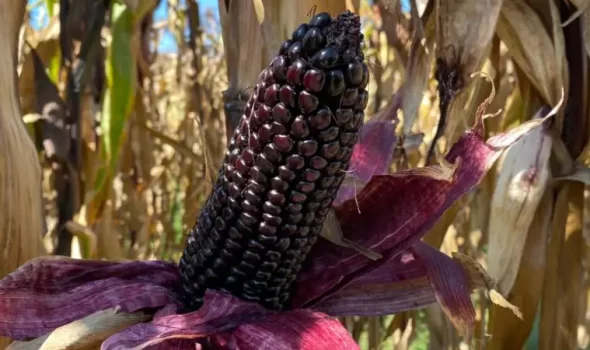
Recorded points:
(520,186)
(538,54)
(84,334)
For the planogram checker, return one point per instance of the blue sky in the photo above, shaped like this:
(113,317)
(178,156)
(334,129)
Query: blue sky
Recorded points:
(167,42)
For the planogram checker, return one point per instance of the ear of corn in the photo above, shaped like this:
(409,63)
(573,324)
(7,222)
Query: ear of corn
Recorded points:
(283,167)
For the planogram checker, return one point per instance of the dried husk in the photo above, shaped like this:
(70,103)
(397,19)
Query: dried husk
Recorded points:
(523,177)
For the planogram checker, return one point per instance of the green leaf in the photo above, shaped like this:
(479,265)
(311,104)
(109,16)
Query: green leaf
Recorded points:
(50,4)
(119,98)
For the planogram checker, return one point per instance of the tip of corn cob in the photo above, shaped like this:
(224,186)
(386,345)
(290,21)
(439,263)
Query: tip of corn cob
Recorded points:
(283,167)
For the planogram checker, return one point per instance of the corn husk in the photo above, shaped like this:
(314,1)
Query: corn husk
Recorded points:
(523,177)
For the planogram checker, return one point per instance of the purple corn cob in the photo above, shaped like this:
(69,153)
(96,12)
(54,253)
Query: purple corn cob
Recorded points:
(284,165)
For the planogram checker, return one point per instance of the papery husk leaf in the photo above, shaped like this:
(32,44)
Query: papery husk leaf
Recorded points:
(532,48)
(412,205)
(526,292)
(522,180)
(371,156)
(73,289)
(86,333)
(418,69)
(465,30)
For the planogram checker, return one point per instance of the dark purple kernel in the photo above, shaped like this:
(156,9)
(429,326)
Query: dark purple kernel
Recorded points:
(264,164)
(341,153)
(225,254)
(257,175)
(329,134)
(277,128)
(285,47)
(354,73)
(243,140)
(305,187)
(326,203)
(349,97)
(252,197)
(313,40)
(248,156)
(357,119)
(207,222)
(310,175)
(273,256)
(315,230)
(220,224)
(321,119)
(254,142)
(362,100)
(251,257)
(322,19)
(264,133)
(268,266)
(238,178)
(272,153)
(283,143)
(283,244)
(255,187)
(304,231)
(307,102)
(260,91)
(299,128)
(295,162)
(276,197)
(320,195)
(348,138)
(267,229)
(313,206)
(271,95)
(246,267)
(278,184)
(249,207)
(237,272)
(267,240)
(286,174)
(232,202)
(334,82)
(288,229)
(332,168)
(227,214)
(263,276)
(281,113)
(326,58)
(234,233)
(270,208)
(314,80)
(234,156)
(279,68)
(271,219)
(308,147)
(232,246)
(247,219)
(318,163)
(323,212)
(299,32)
(347,154)
(343,115)
(295,51)
(329,150)
(294,208)
(294,218)
(287,95)
(241,167)
(234,190)
(296,71)
(297,197)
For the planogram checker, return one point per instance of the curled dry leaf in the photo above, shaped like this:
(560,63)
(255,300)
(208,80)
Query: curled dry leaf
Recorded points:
(532,48)
(523,177)
(86,333)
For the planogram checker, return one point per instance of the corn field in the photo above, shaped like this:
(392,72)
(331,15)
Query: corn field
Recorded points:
(126,109)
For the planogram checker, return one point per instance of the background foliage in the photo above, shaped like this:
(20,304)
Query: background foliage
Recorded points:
(129,104)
